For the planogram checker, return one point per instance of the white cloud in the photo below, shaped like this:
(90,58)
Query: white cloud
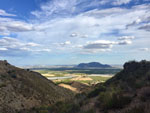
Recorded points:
(74,34)
(99,44)
(145,27)
(32,44)
(97,24)
(91,51)
(104,12)
(79,35)
(103,2)
(12,44)
(46,50)
(125,42)
(84,36)
(55,7)
(4,13)
(18,26)
(8,26)
(135,22)
(89,26)
(3,49)
(65,43)
(144,49)
(102,45)
(25,49)
(126,38)
(114,2)
(41,50)
(120,2)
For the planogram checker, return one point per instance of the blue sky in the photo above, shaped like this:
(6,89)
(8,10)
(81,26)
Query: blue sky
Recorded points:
(53,32)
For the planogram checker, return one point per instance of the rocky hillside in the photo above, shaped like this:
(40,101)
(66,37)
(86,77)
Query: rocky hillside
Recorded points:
(127,92)
(93,65)
(23,89)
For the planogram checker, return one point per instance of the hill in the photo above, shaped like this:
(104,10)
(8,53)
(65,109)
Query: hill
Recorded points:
(93,65)
(23,89)
(126,92)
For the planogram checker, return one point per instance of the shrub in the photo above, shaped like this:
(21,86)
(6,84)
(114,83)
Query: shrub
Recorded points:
(13,76)
(139,109)
(2,85)
(43,111)
(89,111)
(145,94)
(64,107)
(96,91)
(112,100)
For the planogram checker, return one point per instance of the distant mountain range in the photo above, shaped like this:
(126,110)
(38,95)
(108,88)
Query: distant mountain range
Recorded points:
(93,65)
(90,65)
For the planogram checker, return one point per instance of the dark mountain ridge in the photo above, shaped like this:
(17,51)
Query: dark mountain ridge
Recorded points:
(93,65)
(134,75)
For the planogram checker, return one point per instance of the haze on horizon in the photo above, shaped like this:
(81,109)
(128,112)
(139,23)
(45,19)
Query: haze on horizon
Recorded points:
(51,32)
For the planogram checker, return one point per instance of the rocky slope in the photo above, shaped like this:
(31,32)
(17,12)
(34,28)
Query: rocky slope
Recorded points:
(127,92)
(23,89)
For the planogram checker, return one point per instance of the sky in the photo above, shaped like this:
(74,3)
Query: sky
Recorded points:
(58,32)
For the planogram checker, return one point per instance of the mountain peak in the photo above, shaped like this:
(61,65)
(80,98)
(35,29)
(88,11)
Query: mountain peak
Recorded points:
(93,65)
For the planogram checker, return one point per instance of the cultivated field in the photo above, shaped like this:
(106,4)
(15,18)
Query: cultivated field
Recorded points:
(86,76)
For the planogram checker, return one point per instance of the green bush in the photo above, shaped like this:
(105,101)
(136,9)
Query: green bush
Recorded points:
(89,111)
(64,107)
(2,85)
(145,95)
(139,109)
(96,91)
(112,100)
(43,111)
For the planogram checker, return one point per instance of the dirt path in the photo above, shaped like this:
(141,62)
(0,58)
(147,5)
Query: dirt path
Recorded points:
(69,87)
(81,78)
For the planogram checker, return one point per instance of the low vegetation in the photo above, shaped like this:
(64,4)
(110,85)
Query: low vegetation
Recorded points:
(113,100)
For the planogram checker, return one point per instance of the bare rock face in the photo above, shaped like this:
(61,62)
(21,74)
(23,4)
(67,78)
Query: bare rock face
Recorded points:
(23,89)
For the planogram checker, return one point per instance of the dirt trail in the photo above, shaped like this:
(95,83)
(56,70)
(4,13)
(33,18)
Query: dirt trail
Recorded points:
(69,87)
